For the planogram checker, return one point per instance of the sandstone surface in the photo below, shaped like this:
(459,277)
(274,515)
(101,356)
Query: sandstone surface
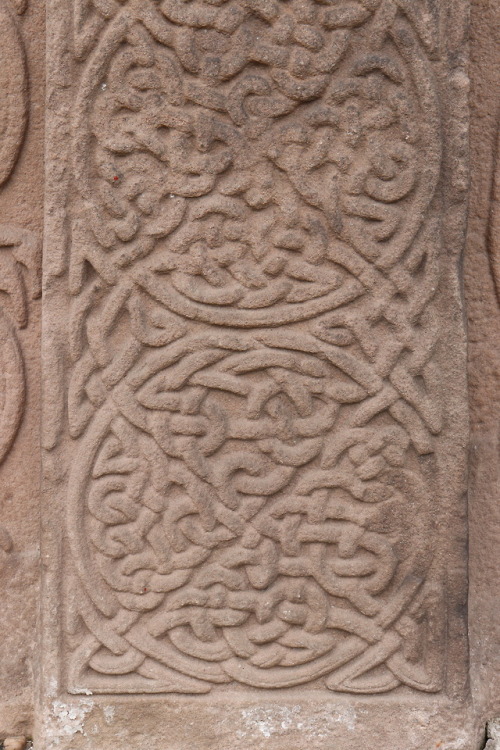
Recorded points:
(255,419)
(249,413)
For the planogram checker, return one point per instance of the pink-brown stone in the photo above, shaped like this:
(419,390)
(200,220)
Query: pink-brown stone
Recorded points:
(21,226)
(254,354)
(267,489)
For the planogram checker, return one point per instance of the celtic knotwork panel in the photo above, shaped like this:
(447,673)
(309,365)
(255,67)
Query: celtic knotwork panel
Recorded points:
(220,151)
(248,507)
(252,396)
(20,252)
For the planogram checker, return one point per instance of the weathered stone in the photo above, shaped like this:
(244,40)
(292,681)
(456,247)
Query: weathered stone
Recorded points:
(255,426)
(482,250)
(493,735)
(21,214)
(254,368)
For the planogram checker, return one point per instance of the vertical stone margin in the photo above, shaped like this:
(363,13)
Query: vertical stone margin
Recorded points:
(481,265)
(21,220)
(255,409)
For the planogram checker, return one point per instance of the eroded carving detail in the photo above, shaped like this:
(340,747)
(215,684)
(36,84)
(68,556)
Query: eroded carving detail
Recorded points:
(20,251)
(13,93)
(243,501)
(18,247)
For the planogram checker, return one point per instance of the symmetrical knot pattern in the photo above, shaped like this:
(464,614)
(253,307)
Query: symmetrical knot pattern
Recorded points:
(226,159)
(253,265)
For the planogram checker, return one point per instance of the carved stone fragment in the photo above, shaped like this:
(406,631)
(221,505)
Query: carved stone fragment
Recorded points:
(255,412)
(20,272)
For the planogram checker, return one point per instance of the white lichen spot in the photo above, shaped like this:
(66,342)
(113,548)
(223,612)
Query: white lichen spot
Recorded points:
(347,716)
(71,717)
(280,720)
(52,688)
(66,720)
(109,714)
(461,743)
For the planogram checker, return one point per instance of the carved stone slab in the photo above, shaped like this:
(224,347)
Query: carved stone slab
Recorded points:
(21,217)
(255,409)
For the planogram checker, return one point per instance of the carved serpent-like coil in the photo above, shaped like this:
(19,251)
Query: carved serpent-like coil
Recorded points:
(253,389)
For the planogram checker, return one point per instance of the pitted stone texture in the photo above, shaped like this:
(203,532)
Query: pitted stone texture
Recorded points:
(271,721)
(254,370)
(21,209)
(481,288)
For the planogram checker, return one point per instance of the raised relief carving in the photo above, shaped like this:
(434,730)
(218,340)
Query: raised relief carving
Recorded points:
(19,248)
(494,221)
(13,92)
(252,392)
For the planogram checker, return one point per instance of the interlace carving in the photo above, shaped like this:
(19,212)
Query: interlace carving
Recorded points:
(253,393)
(20,252)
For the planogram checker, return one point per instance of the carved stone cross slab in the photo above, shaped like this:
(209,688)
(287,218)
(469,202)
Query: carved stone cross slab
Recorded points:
(255,420)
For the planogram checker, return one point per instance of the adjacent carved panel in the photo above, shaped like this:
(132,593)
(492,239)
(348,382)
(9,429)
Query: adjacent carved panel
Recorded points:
(19,248)
(253,400)
(21,196)
(12,127)
(13,92)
